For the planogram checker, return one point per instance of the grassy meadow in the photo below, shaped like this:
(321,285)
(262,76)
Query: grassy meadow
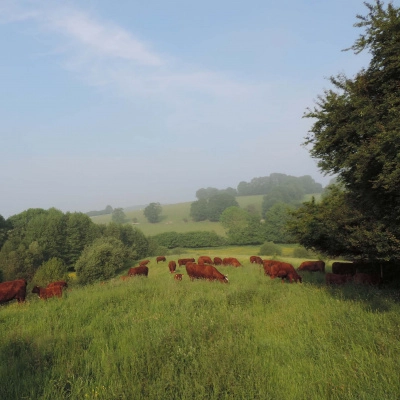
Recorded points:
(156,338)
(176,217)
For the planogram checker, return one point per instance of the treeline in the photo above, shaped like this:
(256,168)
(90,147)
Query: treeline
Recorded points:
(197,239)
(266,185)
(106,211)
(33,238)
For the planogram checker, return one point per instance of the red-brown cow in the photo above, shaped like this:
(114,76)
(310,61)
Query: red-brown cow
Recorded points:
(268,264)
(183,261)
(256,260)
(144,262)
(46,293)
(178,277)
(11,290)
(284,270)
(344,268)
(63,284)
(160,258)
(312,266)
(141,270)
(204,260)
(366,279)
(337,279)
(217,261)
(234,262)
(172,266)
(208,272)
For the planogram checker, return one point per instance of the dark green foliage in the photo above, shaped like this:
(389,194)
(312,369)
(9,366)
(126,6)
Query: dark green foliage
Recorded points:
(270,249)
(242,228)
(356,136)
(5,226)
(50,271)
(153,212)
(189,240)
(118,216)
(107,210)
(198,210)
(291,194)
(205,194)
(302,252)
(266,184)
(101,260)
(275,222)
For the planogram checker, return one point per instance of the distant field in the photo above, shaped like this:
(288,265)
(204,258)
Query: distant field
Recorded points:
(176,217)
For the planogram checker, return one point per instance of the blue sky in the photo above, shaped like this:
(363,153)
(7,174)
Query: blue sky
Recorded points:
(128,102)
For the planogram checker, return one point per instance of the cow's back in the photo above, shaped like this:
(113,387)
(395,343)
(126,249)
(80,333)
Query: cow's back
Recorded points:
(11,290)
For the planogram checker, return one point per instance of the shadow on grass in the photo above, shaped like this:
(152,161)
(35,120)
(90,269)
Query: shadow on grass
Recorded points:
(374,298)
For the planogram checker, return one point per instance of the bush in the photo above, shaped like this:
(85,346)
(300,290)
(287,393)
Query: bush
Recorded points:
(302,252)
(101,260)
(52,270)
(270,249)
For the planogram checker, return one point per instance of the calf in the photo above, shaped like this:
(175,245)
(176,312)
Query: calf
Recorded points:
(178,277)
(46,293)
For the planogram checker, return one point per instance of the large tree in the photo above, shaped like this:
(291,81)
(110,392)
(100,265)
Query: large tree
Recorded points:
(356,136)
(153,212)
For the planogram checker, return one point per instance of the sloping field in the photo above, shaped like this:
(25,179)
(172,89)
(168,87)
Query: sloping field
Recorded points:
(156,338)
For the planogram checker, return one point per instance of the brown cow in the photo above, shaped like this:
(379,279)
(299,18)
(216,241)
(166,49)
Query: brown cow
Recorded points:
(312,266)
(231,261)
(178,277)
(160,258)
(268,264)
(205,260)
(256,260)
(337,279)
(46,293)
(208,272)
(366,279)
(344,268)
(172,266)
(140,270)
(183,261)
(11,290)
(63,284)
(144,262)
(284,270)
(217,261)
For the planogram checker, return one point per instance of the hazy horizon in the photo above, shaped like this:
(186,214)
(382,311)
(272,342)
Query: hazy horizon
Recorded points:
(127,104)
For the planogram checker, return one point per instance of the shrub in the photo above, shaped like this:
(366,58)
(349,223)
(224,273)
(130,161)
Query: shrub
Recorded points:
(302,252)
(52,270)
(100,260)
(270,249)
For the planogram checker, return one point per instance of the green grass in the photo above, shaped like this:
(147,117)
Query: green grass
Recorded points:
(155,338)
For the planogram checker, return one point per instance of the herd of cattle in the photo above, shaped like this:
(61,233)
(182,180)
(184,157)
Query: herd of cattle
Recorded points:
(342,272)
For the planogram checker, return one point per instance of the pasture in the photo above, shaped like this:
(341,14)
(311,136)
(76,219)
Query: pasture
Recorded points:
(156,338)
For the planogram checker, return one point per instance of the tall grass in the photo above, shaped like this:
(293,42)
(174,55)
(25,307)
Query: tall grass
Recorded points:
(155,338)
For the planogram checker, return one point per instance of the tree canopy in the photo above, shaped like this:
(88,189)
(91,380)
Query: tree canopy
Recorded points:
(355,135)
(153,212)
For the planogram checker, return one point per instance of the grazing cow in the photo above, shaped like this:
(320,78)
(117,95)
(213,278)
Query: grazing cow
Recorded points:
(46,293)
(205,260)
(217,261)
(256,260)
(144,262)
(337,279)
(183,261)
(178,277)
(63,284)
(140,270)
(366,279)
(172,266)
(208,272)
(284,270)
(312,266)
(160,258)
(344,268)
(267,264)
(231,261)
(11,290)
